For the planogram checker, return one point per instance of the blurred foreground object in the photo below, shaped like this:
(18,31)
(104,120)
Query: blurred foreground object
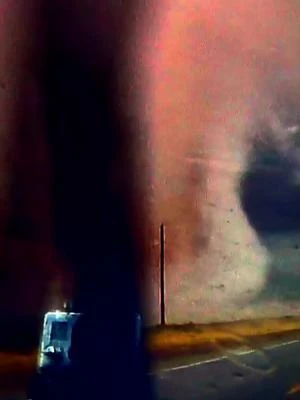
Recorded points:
(56,366)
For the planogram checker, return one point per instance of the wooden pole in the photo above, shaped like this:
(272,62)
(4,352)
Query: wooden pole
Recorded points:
(162,275)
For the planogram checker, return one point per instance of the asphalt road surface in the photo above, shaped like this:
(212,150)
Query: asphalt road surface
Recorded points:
(260,374)
(250,374)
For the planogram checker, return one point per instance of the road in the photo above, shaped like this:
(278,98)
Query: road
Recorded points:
(261,374)
(251,374)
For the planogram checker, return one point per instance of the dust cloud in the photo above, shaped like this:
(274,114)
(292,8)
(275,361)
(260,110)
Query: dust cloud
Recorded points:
(209,77)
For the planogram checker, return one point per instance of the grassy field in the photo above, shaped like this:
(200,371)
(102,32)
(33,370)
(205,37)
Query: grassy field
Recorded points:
(183,339)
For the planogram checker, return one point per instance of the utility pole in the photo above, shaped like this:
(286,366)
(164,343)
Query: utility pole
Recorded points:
(162,275)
